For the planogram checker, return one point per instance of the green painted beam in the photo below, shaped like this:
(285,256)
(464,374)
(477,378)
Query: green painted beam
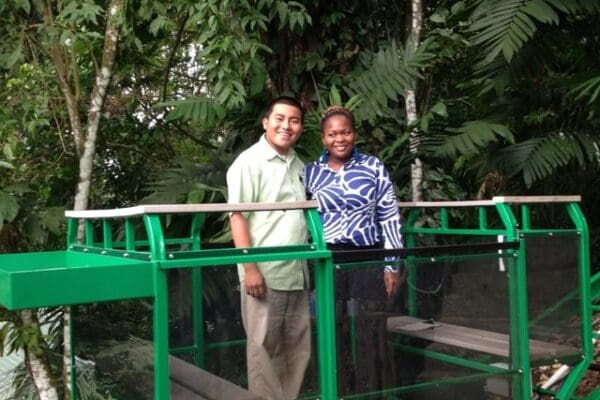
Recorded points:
(42,279)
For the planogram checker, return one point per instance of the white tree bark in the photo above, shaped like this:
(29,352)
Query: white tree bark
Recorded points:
(36,362)
(86,161)
(410,101)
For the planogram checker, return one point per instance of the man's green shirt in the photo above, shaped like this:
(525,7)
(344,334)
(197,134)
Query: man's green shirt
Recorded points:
(261,175)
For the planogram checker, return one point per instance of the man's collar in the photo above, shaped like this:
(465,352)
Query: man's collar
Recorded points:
(270,153)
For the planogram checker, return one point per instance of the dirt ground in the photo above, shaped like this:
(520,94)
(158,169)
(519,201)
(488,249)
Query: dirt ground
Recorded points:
(592,378)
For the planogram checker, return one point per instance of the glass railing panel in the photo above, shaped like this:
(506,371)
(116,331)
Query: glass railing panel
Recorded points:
(449,320)
(112,343)
(554,298)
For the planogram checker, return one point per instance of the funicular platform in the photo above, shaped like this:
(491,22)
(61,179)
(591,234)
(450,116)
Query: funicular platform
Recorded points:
(488,295)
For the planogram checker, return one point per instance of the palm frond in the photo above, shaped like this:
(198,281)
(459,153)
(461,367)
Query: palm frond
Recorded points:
(541,157)
(471,137)
(588,89)
(393,71)
(189,183)
(196,109)
(576,6)
(504,26)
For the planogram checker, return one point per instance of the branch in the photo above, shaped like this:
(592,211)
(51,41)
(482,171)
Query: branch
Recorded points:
(172,55)
(63,81)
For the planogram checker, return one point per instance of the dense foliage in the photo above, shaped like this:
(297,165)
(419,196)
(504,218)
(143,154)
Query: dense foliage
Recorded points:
(508,96)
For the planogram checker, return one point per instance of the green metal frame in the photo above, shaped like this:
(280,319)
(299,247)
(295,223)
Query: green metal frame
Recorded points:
(104,269)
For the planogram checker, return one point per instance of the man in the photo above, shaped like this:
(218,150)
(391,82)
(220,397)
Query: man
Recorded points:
(274,298)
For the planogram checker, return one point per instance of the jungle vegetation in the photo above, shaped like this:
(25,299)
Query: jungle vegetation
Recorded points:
(110,103)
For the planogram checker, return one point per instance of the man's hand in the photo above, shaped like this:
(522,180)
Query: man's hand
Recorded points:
(393,281)
(254,282)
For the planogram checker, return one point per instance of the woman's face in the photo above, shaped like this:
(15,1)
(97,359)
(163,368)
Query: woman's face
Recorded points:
(338,137)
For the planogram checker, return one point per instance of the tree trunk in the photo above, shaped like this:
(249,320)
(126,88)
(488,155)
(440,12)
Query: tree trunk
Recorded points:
(36,362)
(70,96)
(86,161)
(410,101)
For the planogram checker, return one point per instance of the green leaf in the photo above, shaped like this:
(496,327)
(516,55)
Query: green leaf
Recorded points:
(17,188)
(541,11)
(4,164)
(334,96)
(457,7)
(259,78)
(387,79)
(438,19)
(10,59)
(24,5)
(471,137)
(282,10)
(158,24)
(53,218)
(440,109)
(9,207)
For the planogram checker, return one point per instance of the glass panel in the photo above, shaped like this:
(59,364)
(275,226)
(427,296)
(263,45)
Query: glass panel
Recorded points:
(221,344)
(553,294)
(218,346)
(447,325)
(112,344)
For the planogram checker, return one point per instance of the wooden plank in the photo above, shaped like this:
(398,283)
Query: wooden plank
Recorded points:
(204,384)
(449,204)
(297,205)
(536,199)
(179,392)
(473,339)
(190,208)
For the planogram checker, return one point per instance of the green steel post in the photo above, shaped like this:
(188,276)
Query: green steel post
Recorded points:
(325,310)
(72,371)
(523,320)
(160,309)
(325,307)
(89,232)
(525,217)
(197,300)
(444,218)
(482,214)
(570,384)
(130,234)
(411,269)
(517,286)
(107,234)
(72,225)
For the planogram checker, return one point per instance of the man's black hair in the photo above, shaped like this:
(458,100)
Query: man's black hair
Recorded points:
(290,101)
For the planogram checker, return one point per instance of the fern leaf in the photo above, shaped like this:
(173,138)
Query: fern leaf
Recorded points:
(506,26)
(539,158)
(390,75)
(472,137)
(584,89)
(196,109)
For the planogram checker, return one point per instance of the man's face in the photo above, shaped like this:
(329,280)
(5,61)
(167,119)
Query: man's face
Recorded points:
(283,127)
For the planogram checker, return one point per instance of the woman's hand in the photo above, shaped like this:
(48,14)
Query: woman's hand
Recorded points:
(392,281)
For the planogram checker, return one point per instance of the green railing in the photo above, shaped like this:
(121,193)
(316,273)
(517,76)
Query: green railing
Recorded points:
(98,267)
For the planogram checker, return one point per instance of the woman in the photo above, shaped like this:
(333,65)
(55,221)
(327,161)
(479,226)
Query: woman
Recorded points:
(359,210)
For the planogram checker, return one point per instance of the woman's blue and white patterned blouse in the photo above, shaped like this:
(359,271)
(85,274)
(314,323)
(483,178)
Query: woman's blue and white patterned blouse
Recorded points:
(357,204)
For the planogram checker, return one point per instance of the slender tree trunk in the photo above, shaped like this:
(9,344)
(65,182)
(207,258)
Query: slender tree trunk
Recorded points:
(410,101)
(36,361)
(111,38)
(86,161)
(71,96)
